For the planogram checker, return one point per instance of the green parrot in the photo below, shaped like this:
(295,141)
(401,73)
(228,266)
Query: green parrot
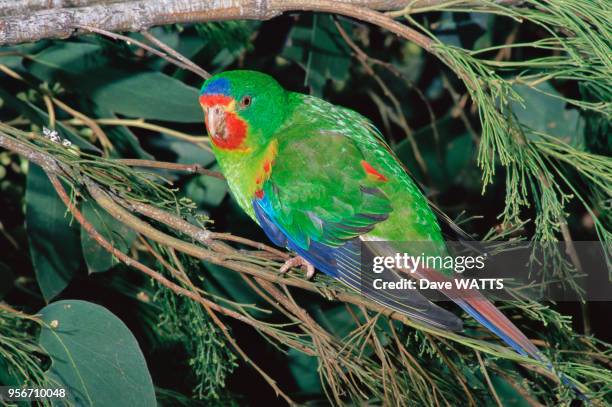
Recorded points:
(320,180)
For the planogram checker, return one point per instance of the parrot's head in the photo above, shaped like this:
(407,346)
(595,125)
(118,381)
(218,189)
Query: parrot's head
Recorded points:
(242,109)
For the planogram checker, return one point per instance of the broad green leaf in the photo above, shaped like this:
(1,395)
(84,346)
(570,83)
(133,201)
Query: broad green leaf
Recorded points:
(54,242)
(125,142)
(183,152)
(220,281)
(41,119)
(95,356)
(12,62)
(304,369)
(460,152)
(65,59)
(15,62)
(460,29)
(508,394)
(148,95)
(335,319)
(224,41)
(64,132)
(7,378)
(544,112)
(168,36)
(597,126)
(119,235)
(205,190)
(445,161)
(321,51)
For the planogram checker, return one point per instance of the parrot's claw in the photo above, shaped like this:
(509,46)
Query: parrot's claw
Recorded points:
(299,262)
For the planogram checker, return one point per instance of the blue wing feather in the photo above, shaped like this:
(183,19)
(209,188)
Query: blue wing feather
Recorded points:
(343,262)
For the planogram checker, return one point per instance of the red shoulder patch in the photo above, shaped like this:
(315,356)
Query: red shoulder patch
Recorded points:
(372,171)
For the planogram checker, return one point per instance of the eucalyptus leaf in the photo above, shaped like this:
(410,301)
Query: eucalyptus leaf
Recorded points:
(54,242)
(41,119)
(321,51)
(205,190)
(508,394)
(120,236)
(544,111)
(460,29)
(64,59)
(125,142)
(183,152)
(148,95)
(444,167)
(230,285)
(16,62)
(7,378)
(460,152)
(224,41)
(304,369)
(95,356)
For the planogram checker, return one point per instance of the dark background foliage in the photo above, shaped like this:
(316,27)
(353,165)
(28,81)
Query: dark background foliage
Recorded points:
(45,258)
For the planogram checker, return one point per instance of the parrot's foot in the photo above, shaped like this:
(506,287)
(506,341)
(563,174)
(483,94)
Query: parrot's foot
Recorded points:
(299,262)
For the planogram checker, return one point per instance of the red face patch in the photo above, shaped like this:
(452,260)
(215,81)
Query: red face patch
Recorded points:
(234,128)
(235,133)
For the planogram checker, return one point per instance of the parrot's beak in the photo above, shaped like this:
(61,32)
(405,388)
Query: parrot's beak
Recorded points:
(215,121)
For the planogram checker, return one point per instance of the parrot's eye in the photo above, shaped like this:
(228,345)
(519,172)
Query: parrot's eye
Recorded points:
(245,101)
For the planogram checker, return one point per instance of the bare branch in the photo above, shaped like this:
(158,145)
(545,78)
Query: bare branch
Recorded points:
(173,58)
(191,168)
(125,16)
(174,53)
(19,7)
(45,161)
(141,15)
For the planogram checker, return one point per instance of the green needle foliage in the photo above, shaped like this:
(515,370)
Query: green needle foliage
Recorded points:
(22,361)
(182,320)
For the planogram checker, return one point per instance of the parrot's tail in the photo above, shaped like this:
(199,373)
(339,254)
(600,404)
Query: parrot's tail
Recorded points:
(482,310)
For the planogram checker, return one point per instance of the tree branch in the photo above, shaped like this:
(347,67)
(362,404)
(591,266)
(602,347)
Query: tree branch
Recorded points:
(190,168)
(25,22)
(19,7)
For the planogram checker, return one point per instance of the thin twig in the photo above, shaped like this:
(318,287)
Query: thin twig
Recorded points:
(130,40)
(204,236)
(50,110)
(191,168)
(177,55)
(488,379)
(140,123)
(89,122)
(224,329)
(362,57)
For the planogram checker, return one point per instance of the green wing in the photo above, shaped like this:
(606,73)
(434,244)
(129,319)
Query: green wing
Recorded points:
(322,201)
(320,190)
